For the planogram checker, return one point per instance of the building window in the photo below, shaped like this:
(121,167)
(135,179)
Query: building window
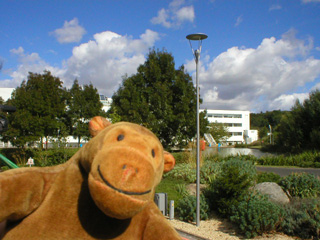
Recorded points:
(232,124)
(237,134)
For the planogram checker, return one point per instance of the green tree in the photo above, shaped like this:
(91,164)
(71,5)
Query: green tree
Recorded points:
(218,131)
(300,128)
(261,122)
(83,104)
(40,103)
(161,98)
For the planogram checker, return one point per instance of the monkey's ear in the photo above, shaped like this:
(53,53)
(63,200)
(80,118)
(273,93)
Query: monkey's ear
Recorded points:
(169,162)
(97,124)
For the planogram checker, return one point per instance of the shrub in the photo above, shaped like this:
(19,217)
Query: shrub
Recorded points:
(19,155)
(231,185)
(209,171)
(301,185)
(187,206)
(268,177)
(180,157)
(302,218)
(183,172)
(256,215)
(53,156)
(305,159)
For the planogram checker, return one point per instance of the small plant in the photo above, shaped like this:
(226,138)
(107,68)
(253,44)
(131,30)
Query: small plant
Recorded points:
(268,177)
(256,215)
(302,218)
(53,156)
(209,171)
(231,185)
(4,168)
(301,185)
(182,190)
(187,206)
(184,172)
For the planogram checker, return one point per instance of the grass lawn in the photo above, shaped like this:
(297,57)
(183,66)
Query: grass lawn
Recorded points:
(169,185)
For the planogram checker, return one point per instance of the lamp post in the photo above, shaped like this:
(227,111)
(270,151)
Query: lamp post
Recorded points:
(196,53)
(270,133)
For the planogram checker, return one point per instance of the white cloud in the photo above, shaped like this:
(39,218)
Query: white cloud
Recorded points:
(70,32)
(286,102)
(18,51)
(316,87)
(27,63)
(259,78)
(185,14)
(275,7)
(309,1)
(239,21)
(175,15)
(102,61)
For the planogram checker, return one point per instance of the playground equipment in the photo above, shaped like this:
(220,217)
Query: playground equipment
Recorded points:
(4,123)
(210,139)
(7,162)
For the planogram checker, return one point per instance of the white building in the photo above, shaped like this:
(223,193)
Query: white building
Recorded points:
(237,122)
(106,102)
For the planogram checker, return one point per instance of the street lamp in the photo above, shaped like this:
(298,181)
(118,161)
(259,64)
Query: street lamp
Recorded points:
(270,133)
(197,37)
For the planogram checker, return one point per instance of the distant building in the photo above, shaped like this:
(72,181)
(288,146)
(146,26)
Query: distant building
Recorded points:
(237,122)
(106,102)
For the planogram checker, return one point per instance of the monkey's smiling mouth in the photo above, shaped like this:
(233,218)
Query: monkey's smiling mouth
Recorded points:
(119,190)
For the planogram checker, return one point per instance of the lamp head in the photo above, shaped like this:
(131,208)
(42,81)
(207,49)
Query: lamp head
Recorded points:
(196,36)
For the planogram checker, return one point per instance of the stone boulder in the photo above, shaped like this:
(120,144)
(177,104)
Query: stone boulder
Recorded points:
(273,191)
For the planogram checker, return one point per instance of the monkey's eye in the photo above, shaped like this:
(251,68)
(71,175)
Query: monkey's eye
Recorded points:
(153,153)
(120,137)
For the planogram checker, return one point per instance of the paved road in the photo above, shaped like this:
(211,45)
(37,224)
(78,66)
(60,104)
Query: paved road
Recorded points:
(187,236)
(283,171)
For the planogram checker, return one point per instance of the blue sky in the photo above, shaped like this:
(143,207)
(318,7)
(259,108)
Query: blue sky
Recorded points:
(260,55)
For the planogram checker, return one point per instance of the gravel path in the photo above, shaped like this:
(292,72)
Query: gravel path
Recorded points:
(220,229)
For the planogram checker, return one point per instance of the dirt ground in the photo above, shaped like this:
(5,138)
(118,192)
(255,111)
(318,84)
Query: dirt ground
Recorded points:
(220,229)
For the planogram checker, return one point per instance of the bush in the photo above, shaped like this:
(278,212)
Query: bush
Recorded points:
(183,172)
(187,208)
(180,157)
(231,185)
(209,171)
(256,215)
(268,177)
(302,218)
(301,185)
(53,157)
(305,159)
(42,158)
(19,156)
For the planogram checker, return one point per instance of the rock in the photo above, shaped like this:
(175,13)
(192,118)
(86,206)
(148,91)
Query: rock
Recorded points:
(273,191)
(192,188)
